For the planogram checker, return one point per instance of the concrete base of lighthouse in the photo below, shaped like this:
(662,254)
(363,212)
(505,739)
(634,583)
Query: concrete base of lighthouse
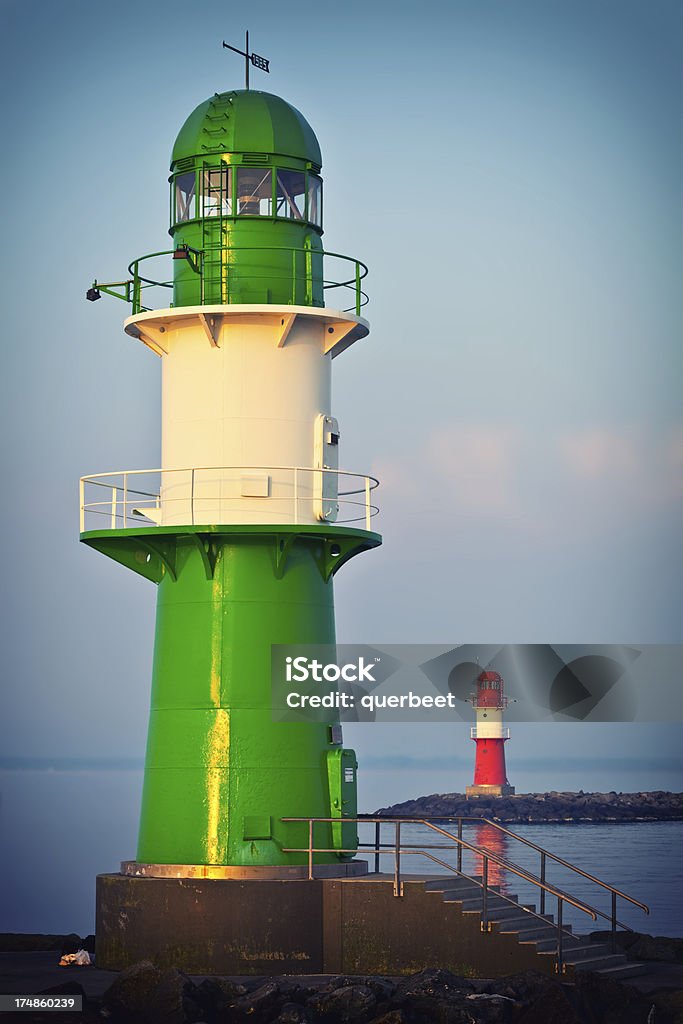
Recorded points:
(298,927)
(497,790)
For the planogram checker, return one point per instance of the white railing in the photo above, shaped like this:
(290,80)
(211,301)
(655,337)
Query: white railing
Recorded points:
(208,495)
(485,733)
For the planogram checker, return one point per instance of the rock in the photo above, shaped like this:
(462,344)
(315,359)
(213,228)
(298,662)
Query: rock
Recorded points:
(215,995)
(435,996)
(89,943)
(220,989)
(606,1001)
(382,988)
(68,988)
(552,1006)
(660,948)
(553,806)
(132,991)
(345,1004)
(293,1013)
(255,1005)
(436,981)
(292,992)
(491,1008)
(525,988)
(166,1003)
(392,1017)
(668,1005)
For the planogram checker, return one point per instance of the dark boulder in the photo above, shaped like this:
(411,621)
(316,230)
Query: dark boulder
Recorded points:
(345,1004)
(167,1002)
(131,992)
(294,1013)
(603,1000)
(257,1004)
(215,995)
(392,1017)
(491,1008)
(552,1006)
(658,947)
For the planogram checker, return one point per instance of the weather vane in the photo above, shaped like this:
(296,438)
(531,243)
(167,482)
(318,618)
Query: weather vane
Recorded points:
(259,62)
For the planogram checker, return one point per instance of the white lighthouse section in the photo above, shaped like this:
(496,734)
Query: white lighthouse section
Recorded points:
(248,434)
(490,724)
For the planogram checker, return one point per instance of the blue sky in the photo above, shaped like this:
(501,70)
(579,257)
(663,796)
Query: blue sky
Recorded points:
(512,175)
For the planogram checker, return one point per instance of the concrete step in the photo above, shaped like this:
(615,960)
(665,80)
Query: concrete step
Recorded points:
(502,914)
(475,902)
(585,951)
(597,963)
(452,882)
(539,934)
(528,926)
(629,970)
(467,890)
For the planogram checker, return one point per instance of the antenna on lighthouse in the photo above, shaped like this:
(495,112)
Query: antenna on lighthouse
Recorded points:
(259,62)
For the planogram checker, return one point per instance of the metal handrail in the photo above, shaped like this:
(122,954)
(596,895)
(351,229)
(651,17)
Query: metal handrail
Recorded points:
(117,506)
(534,846)
(486,855)
(138,281)
(541,883)
(568,864)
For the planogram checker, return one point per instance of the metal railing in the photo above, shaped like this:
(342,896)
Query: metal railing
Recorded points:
(219,270)
(398,849)
(484,733)
(202,495)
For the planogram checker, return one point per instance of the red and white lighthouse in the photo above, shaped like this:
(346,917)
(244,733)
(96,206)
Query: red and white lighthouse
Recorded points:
(489,734)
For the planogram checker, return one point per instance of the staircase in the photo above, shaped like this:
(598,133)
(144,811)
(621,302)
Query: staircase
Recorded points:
(506,915)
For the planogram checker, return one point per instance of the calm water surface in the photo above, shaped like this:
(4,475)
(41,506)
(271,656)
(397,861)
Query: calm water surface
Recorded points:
(58,830)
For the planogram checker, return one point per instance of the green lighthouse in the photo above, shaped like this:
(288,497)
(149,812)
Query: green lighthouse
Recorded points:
(249,517)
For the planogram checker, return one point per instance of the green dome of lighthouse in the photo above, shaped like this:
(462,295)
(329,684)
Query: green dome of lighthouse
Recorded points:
(246,121)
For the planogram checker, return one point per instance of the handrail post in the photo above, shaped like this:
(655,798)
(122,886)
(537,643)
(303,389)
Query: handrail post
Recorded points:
(378,826)
(81,499)
(310,849)
(113,508)
(192,496)
(614,922)
(137,289)
(296,494)
(398,884)
(543,881)
(125,499)
(459,844)
(367,503)
(560,962)
(357,288)
(309,276)
(485,895)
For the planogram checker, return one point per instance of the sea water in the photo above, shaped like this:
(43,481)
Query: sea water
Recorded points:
(59,829)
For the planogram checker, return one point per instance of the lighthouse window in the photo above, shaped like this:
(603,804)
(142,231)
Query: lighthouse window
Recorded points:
(290,195)
(254,191)
(216,192)
(185,196)
(315,200)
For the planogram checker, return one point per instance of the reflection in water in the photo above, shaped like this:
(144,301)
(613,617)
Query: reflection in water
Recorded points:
(490,838)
